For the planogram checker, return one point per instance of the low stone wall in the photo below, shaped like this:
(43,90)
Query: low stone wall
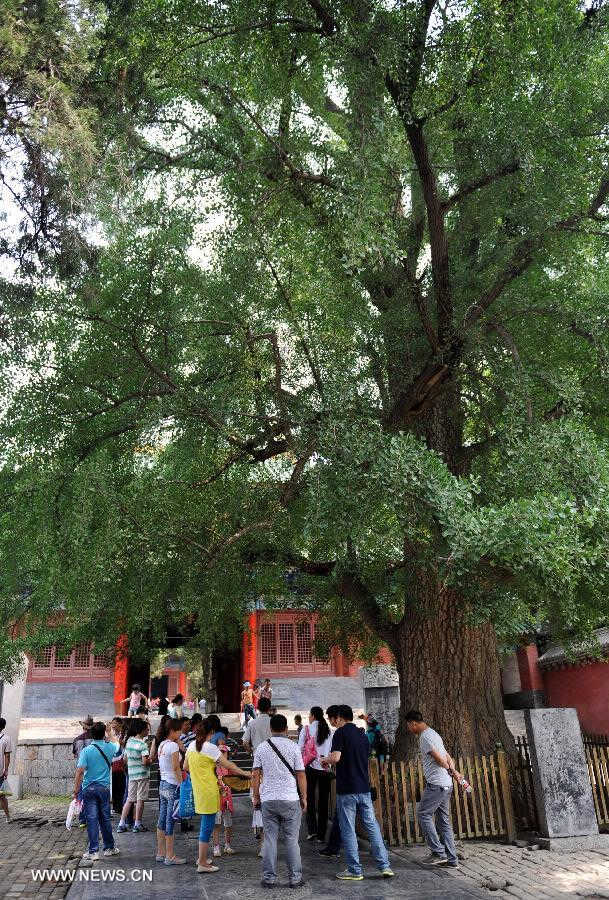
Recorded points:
(300,693)
(77,699)
(45,766)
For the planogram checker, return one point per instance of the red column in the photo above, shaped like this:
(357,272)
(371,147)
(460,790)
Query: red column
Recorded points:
(339,662)
(249,655)
(121,673)
(530,676)
(182,684)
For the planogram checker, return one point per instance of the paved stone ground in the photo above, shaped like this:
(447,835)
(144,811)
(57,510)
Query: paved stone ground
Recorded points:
(239,876)
(37,839)
(511,872)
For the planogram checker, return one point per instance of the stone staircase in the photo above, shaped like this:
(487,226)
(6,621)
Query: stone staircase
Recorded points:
(241,757)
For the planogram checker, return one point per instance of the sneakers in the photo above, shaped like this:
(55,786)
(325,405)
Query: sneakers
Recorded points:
(387,873)
(159,857)
(139,828)
(112,851)
(121,829)
(89,858)
(217,851)
(298,884)
(349,876)
(174,861)
(203,869)
(434,859)
(329,854)
(228,850)
(451,864)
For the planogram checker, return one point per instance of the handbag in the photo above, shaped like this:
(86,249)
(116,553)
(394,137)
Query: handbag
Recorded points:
(187,802)
(309,751)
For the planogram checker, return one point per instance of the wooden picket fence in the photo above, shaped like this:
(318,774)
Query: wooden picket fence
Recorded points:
(596,747)
(597,755)
(486,812)
(524,802)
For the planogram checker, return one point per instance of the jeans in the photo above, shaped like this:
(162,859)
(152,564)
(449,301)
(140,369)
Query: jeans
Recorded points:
(167,797)
(284,815)
(334,841)
(348,806)
(317,806)
(208,821)
(96,799)
(436,800)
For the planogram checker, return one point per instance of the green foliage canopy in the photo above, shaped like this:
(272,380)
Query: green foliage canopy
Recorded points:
(349,320)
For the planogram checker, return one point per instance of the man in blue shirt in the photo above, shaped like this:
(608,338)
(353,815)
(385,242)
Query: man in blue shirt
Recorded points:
(349,753)
(93,773)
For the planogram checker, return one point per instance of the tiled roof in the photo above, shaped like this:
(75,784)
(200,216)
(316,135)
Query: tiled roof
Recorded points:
(555,655)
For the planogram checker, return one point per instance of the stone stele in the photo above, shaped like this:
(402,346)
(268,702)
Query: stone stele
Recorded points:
(561,781)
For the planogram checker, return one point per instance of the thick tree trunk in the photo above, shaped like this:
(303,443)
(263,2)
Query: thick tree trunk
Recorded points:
(449,671)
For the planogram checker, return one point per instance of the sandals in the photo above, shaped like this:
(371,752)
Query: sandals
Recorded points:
(204,869)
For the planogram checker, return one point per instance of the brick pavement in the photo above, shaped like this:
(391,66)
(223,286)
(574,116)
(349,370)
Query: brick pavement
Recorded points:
(507,871)
(37,838)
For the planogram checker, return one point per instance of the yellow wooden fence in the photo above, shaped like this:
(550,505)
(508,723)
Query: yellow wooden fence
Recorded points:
(486,812)
(597,755)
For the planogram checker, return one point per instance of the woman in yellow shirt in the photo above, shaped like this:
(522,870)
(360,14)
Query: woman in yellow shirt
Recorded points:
(201,760)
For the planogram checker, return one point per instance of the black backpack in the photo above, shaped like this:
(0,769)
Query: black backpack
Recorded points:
(380,745)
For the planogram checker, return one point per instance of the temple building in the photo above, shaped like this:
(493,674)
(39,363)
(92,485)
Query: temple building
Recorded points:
(276,645)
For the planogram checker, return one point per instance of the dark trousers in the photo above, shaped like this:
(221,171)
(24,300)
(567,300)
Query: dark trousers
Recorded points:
(129,820)
(118,790)
(334,841)
(318,795)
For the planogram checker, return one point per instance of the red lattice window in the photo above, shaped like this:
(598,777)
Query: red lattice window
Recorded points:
(286,643)
(43,658)
(102,660)
(82,655)
(268,644)
(62,662)
(303,642)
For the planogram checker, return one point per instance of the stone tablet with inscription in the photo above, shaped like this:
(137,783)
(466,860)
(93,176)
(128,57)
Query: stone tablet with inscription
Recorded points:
(560,773)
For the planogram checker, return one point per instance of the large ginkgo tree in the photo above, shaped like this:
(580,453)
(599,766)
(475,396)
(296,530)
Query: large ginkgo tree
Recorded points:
(348,323)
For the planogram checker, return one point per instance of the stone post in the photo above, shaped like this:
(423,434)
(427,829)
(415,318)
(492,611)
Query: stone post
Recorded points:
(561,781)
(382,696)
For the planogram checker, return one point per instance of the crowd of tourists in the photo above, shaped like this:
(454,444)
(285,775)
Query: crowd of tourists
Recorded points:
(291,777)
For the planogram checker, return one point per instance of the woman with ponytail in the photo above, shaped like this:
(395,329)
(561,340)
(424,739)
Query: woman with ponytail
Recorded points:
(202,757)
(315,741)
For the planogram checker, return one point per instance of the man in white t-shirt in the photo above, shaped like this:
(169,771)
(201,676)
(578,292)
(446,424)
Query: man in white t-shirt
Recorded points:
(438,768)
(6,748)
(282,799)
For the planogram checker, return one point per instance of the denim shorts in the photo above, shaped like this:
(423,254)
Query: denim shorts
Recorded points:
(168,794)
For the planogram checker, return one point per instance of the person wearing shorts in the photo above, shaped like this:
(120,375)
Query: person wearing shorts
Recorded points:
(138,770)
